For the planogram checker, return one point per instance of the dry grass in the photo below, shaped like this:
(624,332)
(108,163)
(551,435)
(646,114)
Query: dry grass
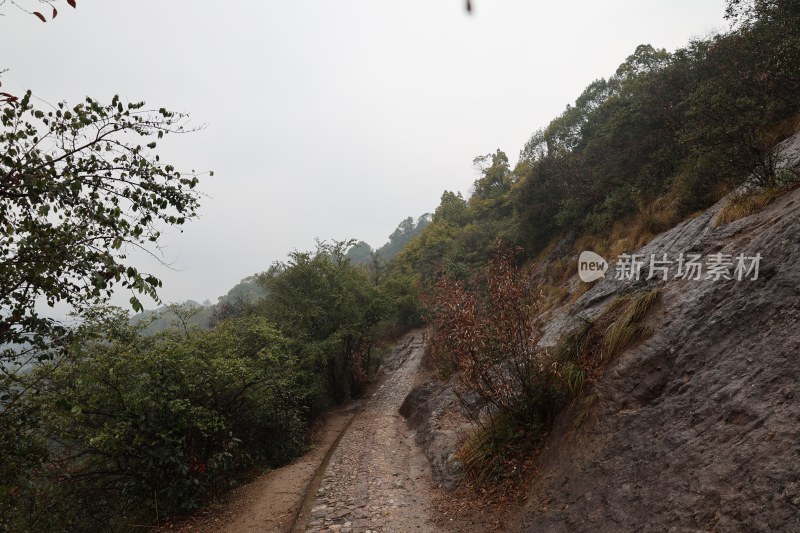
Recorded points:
(493,450)
(552,296)
(593,344)
(562,269)
(629,325)
(583,353)
(634,231)
(745,204)
(574,346)
(543,254)
(625,235)
(488,506)
(573,377)
(639,229)
(582,410)
(582,289)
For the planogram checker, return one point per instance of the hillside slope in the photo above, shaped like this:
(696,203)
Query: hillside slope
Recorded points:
(697,427)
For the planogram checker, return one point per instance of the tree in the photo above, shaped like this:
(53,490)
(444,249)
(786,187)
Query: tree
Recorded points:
(748,13)
(452,210)
(77,192)
(359,253)
(47,6)
(645,59)
(330,310)
(495,175)
(406,230)
(131,425)
(537,200)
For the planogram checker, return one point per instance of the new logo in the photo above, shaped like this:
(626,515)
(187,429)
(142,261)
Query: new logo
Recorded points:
(591,267)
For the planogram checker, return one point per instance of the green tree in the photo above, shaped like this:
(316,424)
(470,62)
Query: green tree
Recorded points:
(79,187)
(330,310)
(745,101)
(140,426)
(406,230)
(495,180)
(537,201)
(360,253)
(452,210)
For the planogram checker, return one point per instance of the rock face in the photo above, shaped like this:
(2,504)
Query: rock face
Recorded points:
(433,411)
(698,427)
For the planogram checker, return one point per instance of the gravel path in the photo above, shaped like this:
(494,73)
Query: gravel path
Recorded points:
(377,479)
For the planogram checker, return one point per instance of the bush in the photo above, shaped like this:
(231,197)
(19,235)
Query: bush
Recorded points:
(330,310)
(483,331)
(139,427)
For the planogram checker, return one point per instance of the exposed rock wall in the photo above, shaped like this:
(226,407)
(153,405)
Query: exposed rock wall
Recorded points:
(434,412)
(698,427)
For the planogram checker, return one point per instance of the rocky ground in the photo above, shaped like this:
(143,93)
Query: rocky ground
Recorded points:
(377,479)
(698,427)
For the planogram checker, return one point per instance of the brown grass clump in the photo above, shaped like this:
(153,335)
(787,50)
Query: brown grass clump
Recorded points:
(633,231)
(745,204)
(583,352)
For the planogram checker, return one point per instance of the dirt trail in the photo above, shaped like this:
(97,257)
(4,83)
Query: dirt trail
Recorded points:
(271,502)
(377,479)
(364,472)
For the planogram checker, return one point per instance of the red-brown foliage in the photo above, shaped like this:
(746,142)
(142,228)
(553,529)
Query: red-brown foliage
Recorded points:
(483,330)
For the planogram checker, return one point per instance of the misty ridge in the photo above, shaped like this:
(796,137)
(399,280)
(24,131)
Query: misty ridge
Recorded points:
(250,290)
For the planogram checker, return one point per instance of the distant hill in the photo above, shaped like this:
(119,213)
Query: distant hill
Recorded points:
(192,314)
(361,253)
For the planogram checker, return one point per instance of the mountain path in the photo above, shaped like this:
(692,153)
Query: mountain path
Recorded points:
(377,479)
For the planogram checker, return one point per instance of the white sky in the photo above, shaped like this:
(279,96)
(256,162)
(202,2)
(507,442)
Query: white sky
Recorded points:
(330,118)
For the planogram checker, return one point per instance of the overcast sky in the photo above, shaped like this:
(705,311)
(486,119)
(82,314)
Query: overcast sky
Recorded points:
(330,118)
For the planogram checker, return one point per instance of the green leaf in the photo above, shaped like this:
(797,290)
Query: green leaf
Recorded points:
(136,304)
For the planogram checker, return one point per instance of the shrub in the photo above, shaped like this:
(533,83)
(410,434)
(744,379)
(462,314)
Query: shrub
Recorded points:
(139,427)
(330,309)
(483,331)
